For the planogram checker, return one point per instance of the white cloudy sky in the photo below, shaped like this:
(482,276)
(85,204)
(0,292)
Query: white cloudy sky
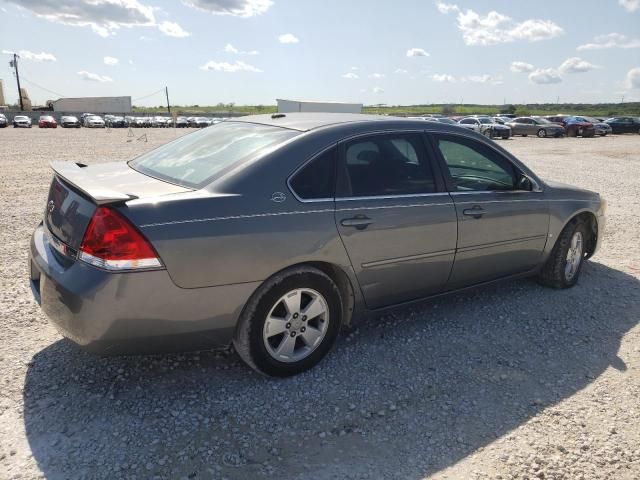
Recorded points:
(253,51)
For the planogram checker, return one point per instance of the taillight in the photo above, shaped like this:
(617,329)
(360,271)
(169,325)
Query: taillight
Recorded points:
(113,243)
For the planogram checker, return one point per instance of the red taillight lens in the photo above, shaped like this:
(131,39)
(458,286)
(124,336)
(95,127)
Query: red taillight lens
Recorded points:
(113,243)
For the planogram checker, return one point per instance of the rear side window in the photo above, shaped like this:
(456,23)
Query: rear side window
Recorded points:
(476,167)
(316,180)
(385,165)
(195,159)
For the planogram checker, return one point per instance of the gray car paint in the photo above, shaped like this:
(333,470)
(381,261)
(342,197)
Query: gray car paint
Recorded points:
(220,243)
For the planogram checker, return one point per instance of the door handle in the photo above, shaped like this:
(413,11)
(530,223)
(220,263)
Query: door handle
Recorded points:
(359,222)
(475,212)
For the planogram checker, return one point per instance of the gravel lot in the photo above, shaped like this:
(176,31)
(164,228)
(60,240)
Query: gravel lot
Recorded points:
(508,381)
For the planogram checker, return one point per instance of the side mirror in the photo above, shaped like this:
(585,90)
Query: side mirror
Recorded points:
(525,183)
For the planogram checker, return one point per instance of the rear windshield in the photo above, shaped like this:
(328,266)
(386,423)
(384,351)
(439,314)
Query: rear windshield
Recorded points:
(193,160)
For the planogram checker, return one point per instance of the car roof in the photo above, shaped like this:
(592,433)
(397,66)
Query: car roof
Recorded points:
(305,122)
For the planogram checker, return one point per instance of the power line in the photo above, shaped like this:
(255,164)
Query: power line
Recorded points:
(41,87)
(150,95)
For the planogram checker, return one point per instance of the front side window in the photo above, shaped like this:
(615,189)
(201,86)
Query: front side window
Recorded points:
(476,167)
(316,180)
(468,121)
(193,160)
(386,165)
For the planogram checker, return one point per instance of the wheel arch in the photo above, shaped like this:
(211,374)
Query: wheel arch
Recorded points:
(591,220)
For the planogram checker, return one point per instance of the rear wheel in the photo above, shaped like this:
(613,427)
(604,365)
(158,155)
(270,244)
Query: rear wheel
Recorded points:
(290,323)
(487,133)
(542,133)
(565,261)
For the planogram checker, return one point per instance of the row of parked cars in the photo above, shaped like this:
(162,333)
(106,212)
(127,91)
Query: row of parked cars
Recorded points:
(90,120)
(549,126)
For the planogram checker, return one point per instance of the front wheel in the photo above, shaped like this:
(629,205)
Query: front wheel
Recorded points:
(542,133)
(290,323)
(564,264)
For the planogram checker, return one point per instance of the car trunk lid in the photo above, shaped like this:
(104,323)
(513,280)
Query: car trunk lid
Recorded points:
(77,190)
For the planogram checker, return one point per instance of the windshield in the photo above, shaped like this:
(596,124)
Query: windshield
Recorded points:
(95,118)
(542,120)
(485,120)
(446,120)
(193,160)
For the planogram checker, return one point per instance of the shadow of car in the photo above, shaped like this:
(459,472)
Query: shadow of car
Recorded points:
(460,371)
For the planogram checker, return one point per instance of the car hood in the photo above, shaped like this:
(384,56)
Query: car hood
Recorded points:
(564,188)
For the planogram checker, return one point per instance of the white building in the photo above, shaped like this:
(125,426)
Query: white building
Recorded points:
(93,104)
(288,106)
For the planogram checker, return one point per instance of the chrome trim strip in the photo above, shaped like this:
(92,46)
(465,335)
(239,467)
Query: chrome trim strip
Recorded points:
(500,244)
(233,217)
(382,207)
(408,259)
(388,197)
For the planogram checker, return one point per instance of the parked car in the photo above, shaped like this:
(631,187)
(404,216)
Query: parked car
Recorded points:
(535,126)
(160,122)
(446,120)
(3,121)
(47,121)
(624,124)
(486,126)
(181,122)
(200,122)
(115,121)
(21,121)
(572,126)
(274,231)
(69,121)
(94,121)
(601,128)
(84,116)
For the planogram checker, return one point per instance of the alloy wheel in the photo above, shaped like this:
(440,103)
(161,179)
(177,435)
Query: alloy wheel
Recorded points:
(296,325)
(574,256)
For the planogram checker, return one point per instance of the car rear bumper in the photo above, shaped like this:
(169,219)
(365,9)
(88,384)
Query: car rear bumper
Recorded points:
(130,313)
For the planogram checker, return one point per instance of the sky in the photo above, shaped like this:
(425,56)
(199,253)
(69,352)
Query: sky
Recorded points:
(250,52)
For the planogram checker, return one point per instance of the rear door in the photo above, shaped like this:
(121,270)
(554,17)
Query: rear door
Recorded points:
(396,220)
(502,222)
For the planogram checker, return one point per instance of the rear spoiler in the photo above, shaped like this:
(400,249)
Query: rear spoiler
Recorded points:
(77,176)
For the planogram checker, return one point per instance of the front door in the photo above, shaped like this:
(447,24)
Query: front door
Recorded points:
(502,223)
(395,219)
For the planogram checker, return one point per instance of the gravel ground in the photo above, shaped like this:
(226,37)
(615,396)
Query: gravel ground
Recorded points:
(507,381)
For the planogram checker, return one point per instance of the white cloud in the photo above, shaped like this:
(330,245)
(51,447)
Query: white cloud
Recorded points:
(354,68)
(417,52)
(35,57)
(576,65)
(288,38)
(111,61)
(443,78)
(378,90)
(447,7)
(545,76)
(611,40)
(495,28)
(633,78)
(376,75)
(227,67)
(485,78)
(236,8)
(172,29)
(630,5)
(94,77)
(350,76)
(521,67)
(104,17)
(401,71)
(231,49)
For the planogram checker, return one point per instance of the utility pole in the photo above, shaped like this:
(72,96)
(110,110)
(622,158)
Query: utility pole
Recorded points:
(14,64)
(166,92)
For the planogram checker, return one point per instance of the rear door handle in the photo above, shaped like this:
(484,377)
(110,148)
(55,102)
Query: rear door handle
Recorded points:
(359,222)
(475,212)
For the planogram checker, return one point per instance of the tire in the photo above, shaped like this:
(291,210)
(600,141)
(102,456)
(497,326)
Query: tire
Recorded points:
(258,349)
(487,133)
(525,134)
(556,272)
(542,133)
(505,136)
